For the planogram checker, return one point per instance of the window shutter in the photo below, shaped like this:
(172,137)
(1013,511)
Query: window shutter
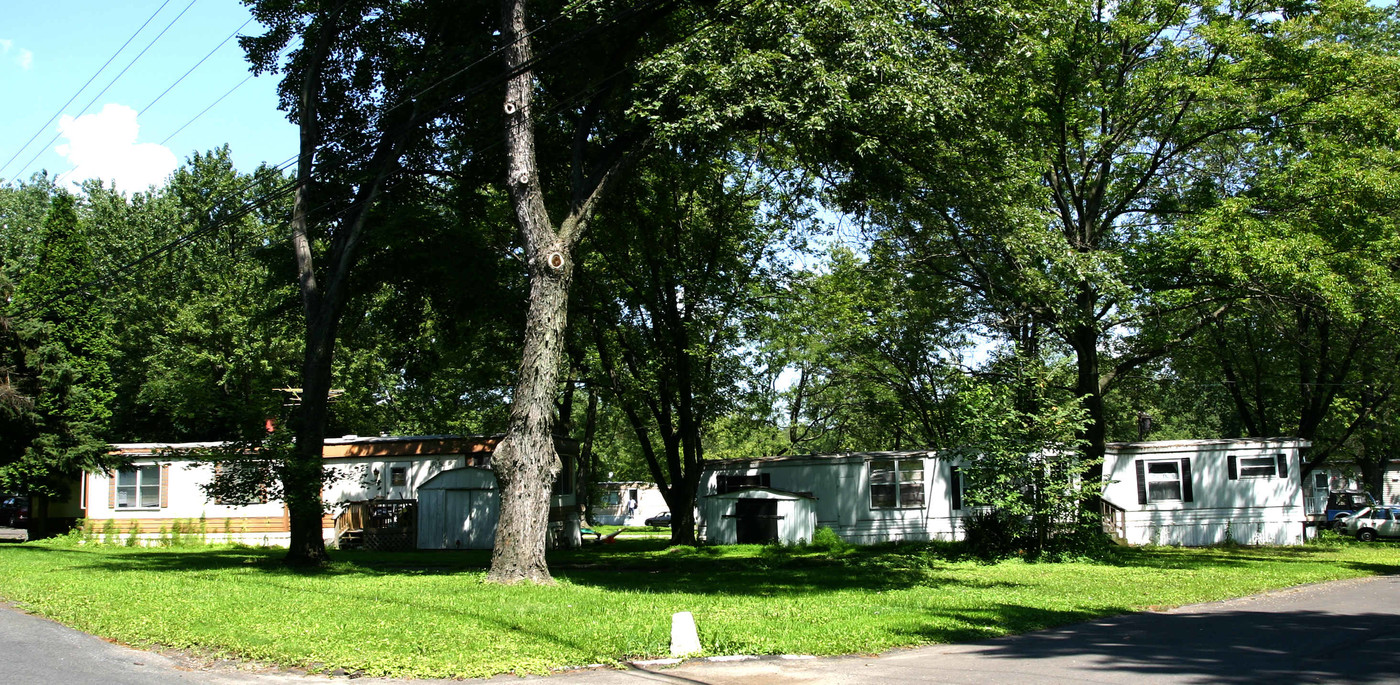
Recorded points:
(164,485)
(1282,465)
(1142,481)
(955,482)
(1234,468)
(1187,495)
(111,489)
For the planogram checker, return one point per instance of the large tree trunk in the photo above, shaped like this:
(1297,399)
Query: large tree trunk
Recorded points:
(302,475)
(1088,388)
(525,462)
(680,497)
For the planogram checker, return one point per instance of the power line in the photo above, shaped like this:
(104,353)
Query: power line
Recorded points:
(83,87)
(204,111)
(196,66)
(108,86)
(287,188)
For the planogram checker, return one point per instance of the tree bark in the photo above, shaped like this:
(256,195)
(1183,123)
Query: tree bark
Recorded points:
(301,475)
(525,462)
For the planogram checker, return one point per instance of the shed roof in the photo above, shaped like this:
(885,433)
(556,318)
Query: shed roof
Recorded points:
(786,494)
(465,478)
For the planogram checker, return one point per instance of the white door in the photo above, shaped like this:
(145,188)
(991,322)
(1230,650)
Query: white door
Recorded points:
(455,503)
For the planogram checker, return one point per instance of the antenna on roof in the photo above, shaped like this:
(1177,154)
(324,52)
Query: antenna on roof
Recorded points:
(294,395)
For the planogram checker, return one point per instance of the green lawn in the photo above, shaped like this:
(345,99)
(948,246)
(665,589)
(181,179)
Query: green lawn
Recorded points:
(429,614)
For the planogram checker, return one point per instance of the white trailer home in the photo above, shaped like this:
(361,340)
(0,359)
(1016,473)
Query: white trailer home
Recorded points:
(625,503)
(378,481)
(865,497)
(1184,492)
(1204,492)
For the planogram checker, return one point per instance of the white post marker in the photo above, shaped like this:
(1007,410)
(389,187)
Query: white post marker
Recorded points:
(684,639)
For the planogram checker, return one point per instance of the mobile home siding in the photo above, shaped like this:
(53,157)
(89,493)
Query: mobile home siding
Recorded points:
(1218,502)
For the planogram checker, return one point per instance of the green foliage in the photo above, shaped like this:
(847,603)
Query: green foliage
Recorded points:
(824,539)
(1023,461)
(994,533)
(55,349)
(208,330)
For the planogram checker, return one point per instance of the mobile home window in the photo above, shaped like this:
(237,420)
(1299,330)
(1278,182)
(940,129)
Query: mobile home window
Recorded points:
(896,483)
(138,487)
(398,476)
(1163,481)
(730,483)
(1257,467)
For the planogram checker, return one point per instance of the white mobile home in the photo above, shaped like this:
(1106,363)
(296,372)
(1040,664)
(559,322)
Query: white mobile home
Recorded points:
(1203,492)
(1186,492)
(626,503)
(377,480)
(865,497)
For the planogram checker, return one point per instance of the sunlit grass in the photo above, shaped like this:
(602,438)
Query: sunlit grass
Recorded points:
(430,614)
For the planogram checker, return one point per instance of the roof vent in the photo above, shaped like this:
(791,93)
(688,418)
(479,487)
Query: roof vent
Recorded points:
(348,437)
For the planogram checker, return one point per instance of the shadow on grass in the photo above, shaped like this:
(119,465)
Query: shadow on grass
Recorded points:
(648,566)
(654,566)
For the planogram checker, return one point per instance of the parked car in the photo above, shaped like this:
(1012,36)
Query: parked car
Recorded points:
(1375,522)
(14,511)
(1342,504)
(661,521)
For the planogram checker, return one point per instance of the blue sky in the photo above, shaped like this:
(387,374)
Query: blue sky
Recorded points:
(49,49)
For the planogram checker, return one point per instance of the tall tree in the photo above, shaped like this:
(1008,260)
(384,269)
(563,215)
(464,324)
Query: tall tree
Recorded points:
(59,347)
(1064,192)
(685,260)
(360,87)
(555,191)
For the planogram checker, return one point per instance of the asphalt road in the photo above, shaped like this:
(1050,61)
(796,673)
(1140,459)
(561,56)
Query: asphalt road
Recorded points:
(1343,632)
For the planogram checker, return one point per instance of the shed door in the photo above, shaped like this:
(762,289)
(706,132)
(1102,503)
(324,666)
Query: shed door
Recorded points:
(756,520)
(470,518)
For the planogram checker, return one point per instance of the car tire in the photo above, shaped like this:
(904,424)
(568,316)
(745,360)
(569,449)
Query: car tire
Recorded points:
(1366,535)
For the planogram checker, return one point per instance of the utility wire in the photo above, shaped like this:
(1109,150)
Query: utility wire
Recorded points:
(107,87)
(80,90)
(196,66)
(287,188)
(221,98)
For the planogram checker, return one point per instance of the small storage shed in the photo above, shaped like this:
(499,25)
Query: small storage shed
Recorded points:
(759,515)
(457,509)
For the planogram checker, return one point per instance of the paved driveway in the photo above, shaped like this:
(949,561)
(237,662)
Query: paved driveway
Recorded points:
(1344,632)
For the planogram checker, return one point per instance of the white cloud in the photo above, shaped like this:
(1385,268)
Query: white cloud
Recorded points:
(103,146)
(24,58)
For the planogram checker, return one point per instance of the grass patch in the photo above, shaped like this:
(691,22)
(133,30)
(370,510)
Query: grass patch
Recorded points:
(428,614)
(606,530)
